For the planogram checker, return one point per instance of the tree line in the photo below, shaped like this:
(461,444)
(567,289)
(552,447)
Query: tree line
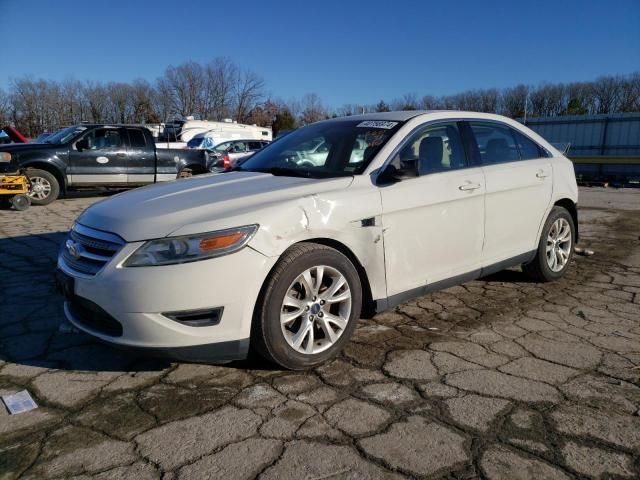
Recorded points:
(222,89)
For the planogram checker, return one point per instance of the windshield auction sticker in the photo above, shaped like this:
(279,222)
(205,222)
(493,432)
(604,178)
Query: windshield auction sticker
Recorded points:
(377,124)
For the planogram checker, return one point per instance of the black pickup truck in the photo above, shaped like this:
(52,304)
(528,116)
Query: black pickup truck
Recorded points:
(92,155)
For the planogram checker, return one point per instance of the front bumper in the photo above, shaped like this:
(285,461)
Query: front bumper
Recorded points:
(127,307)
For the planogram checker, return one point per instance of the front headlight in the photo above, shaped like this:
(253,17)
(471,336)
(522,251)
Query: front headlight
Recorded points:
(191,248)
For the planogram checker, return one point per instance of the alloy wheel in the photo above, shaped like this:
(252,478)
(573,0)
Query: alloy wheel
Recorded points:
(40,188)
(315,310)
(558,247)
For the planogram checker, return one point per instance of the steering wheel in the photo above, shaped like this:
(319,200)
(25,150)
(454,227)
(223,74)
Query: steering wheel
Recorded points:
(306,163)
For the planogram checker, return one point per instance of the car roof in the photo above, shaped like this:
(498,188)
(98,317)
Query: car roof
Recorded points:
(403,116)
(399,116)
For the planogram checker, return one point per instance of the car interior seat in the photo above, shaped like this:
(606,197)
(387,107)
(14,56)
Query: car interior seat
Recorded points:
(430,155)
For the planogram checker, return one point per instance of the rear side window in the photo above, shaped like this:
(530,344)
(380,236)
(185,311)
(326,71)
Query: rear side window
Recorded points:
(136,138)
(237,147)
(255,145)
(528,148)
(495,142)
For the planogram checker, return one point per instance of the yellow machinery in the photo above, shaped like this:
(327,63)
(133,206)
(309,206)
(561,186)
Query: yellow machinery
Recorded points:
(14,190)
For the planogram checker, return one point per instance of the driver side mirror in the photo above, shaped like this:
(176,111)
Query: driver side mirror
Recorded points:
(391,174)
(82,144)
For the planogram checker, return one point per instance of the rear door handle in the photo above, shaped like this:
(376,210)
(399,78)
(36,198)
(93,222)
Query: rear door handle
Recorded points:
(542,174)
(469,186)
(121,155)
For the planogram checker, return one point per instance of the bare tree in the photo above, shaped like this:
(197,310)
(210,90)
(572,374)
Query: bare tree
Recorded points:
(630,93)
(95,96)
(513,101)
(248,90)
(220,79)
(606,91)
(184,86)
(312,109)
(5,108)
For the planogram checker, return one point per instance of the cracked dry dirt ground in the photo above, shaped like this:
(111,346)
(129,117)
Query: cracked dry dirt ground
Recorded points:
(498,378)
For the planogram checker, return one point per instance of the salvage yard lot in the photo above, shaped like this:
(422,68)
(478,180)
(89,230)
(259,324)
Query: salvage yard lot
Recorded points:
(498,378)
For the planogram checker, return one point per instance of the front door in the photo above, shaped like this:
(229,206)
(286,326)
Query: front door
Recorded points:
(433,223)
(99,157)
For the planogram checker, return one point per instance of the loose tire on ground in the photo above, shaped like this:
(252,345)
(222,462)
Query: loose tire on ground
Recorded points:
(44,186)
(274,341)
(541,269)
(20,202)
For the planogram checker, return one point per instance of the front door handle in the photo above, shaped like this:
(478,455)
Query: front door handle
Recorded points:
(469,187)
(542,174)
(121,155)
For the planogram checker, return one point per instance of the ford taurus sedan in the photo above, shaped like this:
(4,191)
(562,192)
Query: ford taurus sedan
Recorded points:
(283,255)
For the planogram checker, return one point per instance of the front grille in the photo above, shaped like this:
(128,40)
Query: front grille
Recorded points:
(93,317)
(86,250)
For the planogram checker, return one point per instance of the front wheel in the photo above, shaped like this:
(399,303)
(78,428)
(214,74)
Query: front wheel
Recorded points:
(555,248)
(44,186)
(309,307)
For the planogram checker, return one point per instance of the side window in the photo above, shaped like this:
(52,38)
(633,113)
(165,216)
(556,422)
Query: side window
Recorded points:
(495,142)
(528,148)
(136,138)
(437,148)
(238,147)
(255,146)
(103,139)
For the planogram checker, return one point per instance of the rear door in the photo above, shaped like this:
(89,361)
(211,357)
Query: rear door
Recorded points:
(141,166)
(518,190)
(99,157)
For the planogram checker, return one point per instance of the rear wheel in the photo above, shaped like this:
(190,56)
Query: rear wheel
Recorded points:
(555,249)
(44,186)
(309,307)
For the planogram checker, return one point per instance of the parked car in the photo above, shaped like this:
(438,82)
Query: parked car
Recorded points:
(227,155)
(285,257)
(97,155)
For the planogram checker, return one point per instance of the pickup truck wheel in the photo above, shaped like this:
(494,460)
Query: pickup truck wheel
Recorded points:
(309,307)
(555,249)
(44,186)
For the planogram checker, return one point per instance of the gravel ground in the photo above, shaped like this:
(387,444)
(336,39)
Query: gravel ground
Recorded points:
(497,378)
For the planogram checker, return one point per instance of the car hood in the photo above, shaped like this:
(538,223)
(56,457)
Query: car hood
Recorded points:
(158,210)
(19,147)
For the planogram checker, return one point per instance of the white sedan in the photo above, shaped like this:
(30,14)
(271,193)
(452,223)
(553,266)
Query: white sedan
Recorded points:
(284,256)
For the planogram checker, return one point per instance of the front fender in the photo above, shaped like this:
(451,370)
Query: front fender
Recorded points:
(353,222)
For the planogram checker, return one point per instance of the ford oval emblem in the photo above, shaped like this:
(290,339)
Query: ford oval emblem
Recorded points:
(73,248)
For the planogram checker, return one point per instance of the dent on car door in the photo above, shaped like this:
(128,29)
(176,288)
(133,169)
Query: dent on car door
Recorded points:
(433,222)
(519,184)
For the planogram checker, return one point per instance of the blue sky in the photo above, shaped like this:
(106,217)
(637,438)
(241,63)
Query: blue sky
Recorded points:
(345,51)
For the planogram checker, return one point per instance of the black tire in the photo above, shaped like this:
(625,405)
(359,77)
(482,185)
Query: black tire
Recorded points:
(20,202)
(538,269)
(267,337)
(34,175)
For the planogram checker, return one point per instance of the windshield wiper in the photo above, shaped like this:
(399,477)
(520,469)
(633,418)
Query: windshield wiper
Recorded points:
(282,171)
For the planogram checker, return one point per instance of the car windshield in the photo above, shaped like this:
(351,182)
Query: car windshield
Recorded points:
(195,142)
(63,136)
(324,149)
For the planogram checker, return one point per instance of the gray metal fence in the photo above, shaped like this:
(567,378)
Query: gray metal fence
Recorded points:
(592,135)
